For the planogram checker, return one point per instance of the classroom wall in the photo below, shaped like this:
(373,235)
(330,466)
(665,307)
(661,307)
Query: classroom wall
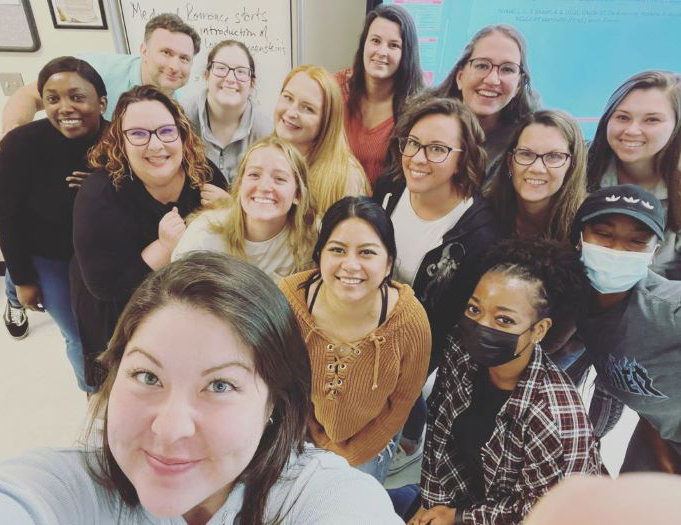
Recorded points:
(330,31)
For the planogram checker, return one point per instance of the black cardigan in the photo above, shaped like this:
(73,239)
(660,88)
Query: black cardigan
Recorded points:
(111,228)
(449,272)
(36,204)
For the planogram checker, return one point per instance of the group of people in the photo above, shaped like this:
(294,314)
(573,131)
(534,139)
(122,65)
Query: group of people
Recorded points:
(249,297)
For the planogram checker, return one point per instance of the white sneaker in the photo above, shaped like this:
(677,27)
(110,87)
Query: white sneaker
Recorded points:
(401,460)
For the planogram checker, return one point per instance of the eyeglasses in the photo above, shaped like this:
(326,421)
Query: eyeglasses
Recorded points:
(410,147)
(220,70)
(141,136)
(482,67)
(552,159)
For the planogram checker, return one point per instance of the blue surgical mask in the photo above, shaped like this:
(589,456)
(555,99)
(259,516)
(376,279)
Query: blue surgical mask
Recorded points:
(613,271)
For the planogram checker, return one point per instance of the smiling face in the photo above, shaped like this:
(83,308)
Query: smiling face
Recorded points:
(354,261)
(487,95)
(536,183)
(268,187)
(157,163)
(229,91)
(186,411)
(298,113)
(641,125)
(382,49)
(167,60)
(433,178)
(72,105)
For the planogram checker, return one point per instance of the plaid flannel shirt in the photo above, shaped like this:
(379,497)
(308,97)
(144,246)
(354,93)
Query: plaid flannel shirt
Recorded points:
(542,434)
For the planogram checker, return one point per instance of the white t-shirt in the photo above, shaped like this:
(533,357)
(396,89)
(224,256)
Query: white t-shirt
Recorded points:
(415,237)
(273,256)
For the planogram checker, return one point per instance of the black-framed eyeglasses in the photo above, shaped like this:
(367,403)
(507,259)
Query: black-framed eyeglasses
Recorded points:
(242,74)
(410,147)
(483,66)
(552,159)
(141,136)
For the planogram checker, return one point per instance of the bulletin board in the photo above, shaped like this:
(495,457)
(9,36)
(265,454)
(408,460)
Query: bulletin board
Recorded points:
(17,27)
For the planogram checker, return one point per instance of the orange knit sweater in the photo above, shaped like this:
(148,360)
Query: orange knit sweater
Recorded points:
(363,391)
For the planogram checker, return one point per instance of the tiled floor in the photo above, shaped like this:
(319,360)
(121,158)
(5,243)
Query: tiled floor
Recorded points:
(40,404)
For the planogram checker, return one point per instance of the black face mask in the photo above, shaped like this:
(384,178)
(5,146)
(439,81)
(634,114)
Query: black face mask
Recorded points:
(487,346)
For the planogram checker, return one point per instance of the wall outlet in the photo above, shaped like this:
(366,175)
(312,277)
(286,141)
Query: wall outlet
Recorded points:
(10,82)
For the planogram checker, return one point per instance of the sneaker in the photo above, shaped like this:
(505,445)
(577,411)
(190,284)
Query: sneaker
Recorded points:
(16,321)
(401,460)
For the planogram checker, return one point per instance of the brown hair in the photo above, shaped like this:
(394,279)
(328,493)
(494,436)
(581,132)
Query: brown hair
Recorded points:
(231,43)
(109,153)
(256,310)
(666,161)
(524,101)
(173,23)
(568,198)
(472,159)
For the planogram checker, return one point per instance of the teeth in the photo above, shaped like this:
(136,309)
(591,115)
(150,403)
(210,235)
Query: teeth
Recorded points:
(486,93)
(70,122)
(263,200)
(418,174)
(632,144)
(535,182)
(349,280)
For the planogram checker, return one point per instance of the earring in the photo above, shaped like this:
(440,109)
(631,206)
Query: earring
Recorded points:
(537,347)
(510,173)
(270,421)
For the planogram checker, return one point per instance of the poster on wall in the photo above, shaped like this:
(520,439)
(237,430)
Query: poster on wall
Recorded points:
(17,27)
(77,14)
(578,51)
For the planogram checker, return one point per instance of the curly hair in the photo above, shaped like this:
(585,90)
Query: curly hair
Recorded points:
(109,153)
(525,100)
(666,160)
(408,79)
(568,198)
(562,286)
(241,296)
(302,233)
(472,160)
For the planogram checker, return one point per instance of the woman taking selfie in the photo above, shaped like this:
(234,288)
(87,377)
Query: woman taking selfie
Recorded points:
(638,141)
(368,337)
(504,423)
(205,405)
(309,114)
(386,70)
(268,221)
(225,114)
(129,214)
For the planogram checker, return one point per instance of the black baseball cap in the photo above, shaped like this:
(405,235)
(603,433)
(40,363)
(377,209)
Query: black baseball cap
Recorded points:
(625,199)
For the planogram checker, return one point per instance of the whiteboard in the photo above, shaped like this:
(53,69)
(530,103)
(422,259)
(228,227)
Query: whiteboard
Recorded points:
(265,26)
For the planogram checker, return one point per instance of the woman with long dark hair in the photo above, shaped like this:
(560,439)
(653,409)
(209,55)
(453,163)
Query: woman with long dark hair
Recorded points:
(204,407)
(385,72)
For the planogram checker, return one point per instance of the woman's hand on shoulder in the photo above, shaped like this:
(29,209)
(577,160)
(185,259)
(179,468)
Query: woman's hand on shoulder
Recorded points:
(211,193)
(170,229)
(75,180)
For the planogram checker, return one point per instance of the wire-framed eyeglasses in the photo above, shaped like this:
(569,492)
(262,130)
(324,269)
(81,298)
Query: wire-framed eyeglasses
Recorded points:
(552,159)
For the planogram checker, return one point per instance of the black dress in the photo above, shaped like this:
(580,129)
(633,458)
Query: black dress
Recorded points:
(112,226)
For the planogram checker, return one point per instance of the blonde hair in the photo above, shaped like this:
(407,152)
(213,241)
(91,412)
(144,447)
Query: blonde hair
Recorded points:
(330,160)
(302,233)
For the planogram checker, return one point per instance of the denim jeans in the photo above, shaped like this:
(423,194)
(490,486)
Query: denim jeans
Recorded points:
(379,466)
(53,280)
